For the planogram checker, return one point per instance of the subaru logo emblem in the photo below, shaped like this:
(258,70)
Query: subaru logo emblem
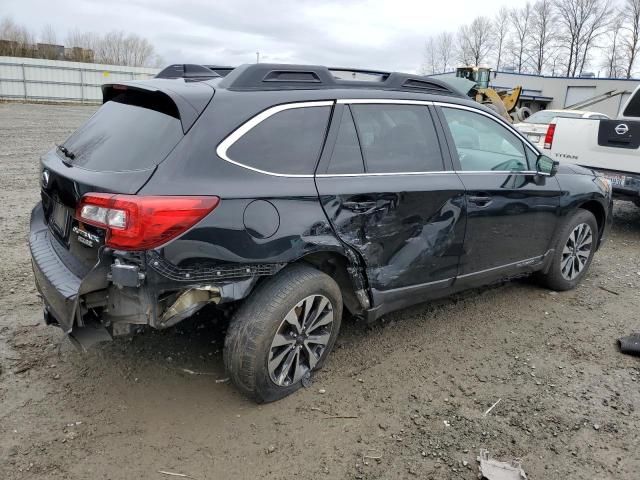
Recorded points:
(622,129)
(45,178)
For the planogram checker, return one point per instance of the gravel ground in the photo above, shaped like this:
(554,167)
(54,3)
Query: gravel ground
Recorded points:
(403,399)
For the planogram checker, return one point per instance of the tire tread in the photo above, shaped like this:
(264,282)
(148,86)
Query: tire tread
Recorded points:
(249,328)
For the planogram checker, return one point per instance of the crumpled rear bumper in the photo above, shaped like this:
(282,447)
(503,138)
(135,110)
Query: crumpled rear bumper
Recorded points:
(60,287)
(56,283)
(108,300)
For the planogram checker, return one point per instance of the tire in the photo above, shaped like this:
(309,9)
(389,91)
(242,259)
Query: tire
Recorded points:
(524,113)
(249,345)
(563,273)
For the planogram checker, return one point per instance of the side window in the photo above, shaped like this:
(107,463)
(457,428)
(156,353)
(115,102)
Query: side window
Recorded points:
(287,142)
(483,144)
(346,156)
(397,138)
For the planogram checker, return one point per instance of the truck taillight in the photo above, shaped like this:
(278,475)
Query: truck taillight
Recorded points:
(142,222)
(548,139)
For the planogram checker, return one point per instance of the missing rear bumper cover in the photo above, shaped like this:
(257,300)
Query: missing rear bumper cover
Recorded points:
(188,303)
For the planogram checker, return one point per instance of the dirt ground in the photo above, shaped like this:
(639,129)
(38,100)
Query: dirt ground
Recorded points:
(403,399)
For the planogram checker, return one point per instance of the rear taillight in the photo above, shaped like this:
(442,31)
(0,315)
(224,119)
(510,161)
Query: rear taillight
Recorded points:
(548,139)
(137,222)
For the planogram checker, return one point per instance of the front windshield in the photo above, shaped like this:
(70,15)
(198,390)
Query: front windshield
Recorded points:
(546,116)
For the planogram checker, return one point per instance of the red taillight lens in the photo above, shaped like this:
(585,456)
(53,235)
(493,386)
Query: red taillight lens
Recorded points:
(548,139)
(140,223)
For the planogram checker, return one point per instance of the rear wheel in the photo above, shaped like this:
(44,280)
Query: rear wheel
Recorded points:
(283,332)
(574,250)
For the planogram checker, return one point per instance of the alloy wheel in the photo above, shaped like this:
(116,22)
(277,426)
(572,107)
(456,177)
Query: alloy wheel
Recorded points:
(576,251)
(300,340)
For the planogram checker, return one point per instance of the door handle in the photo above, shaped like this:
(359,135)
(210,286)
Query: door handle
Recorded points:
(359,206)
(480,200)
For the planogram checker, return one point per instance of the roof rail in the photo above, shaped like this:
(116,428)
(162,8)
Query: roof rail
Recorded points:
(188,70)
(221,70)
(265,76)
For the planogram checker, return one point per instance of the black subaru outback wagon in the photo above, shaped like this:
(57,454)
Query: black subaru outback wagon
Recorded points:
(283,194)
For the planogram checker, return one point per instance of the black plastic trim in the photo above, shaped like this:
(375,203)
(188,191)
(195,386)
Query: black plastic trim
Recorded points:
(209,273)
(265,76)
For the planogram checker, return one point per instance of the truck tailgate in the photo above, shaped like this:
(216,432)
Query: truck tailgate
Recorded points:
(598,143)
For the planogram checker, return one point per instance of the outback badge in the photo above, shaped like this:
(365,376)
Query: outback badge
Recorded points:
(85,237)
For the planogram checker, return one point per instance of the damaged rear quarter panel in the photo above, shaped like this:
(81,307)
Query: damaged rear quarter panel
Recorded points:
(223,237)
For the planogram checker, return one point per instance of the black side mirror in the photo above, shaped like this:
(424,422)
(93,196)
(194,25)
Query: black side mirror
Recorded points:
(546,166)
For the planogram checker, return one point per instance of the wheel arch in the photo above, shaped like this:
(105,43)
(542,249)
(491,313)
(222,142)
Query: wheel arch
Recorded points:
(599,212)
(347,275)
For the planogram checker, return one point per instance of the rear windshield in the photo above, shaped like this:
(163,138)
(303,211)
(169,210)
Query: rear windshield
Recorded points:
(545,117)
(125,134)
(632,109)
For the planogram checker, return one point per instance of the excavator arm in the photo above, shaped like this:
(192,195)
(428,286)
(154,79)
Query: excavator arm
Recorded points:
(510,100)
(490,98)
(502,104)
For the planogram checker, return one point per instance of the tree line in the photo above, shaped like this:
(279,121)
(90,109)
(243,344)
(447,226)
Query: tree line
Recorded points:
(555,37)
(112,48)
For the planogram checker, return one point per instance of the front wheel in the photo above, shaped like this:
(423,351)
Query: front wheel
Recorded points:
(574,249)
(283,332)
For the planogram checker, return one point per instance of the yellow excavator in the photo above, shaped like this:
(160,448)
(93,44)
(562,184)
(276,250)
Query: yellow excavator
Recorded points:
(504,102)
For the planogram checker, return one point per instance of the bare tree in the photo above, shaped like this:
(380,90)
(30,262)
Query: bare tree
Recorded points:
(445,48)
(48,35)
(429,64)
(631,24)
(15,40)
(475,41)
(571,19)
(47,43)
(500,32)
(113,48)
(118,48)
(82,46)
(521,23)
(543,22)
(582,21)
(597,26)
(613,59)
(557,61)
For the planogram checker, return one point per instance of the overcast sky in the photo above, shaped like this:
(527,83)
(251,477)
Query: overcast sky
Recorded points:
(374,34)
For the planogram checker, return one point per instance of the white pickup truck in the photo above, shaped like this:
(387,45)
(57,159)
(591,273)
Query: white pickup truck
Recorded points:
(611,147)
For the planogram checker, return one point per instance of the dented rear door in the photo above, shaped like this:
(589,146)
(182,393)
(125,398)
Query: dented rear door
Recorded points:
(389,194)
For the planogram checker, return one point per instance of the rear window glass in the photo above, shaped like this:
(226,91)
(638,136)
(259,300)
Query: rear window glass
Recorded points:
(632,109)
(397,138)
(346,157)
(287,142)
(121,137)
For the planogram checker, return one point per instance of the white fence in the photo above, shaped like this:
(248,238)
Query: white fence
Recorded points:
(34,79)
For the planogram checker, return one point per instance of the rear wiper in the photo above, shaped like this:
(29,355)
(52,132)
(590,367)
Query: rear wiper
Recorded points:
(67,153)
